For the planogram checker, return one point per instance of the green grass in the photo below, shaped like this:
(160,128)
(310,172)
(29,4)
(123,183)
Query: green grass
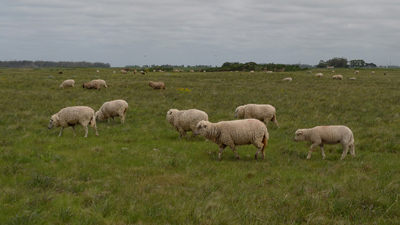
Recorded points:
(140,172)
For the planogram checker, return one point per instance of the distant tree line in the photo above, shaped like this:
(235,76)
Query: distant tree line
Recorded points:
(33,64)
(252,66)
(344,63)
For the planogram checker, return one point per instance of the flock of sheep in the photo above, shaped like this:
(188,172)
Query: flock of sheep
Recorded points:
(250,129)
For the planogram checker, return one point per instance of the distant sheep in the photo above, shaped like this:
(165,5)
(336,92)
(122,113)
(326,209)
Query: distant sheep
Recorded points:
(318,75)
(102,83)
(111,109)
(186,120)
(372,72)
(287,79)
(331,135)
(263,112)
(91,85)
(71,116)
(352,78)
(235,133)
(337,77)
(356,72)
(157,85)
(67,83)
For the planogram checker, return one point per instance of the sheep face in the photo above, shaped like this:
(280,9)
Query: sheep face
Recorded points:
(299,136)
(53,121)
(239,112)
(202,126)
(99,116)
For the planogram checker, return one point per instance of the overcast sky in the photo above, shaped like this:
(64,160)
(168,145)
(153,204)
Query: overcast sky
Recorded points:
(200,32)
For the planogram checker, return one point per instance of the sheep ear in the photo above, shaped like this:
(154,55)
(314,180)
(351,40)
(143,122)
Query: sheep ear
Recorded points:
(300,132)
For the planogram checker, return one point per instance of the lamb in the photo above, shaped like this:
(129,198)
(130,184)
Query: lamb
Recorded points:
(337,77)
(186,120)
(112,109)
(235,133)
(321,135)
(157,85)
(91,85)
(263,112)
(287,79)
(71,116)
(67,83)
(319,75)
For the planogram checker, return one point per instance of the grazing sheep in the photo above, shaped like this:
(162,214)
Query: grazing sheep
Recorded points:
(235,133)
(356,72)
(91,85)
(352,78)
(287,79)
(186,120)
(331,135)
(372,72)
(157,85)
(333,71)
(102,83)
(263,112)
(112,109)
(337,77)
(318,75)
(71,116)
(67,83)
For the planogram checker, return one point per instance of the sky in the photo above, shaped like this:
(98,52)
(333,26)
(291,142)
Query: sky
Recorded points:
(200,32)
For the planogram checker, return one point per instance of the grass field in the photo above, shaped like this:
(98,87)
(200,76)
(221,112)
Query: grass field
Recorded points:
(139,172)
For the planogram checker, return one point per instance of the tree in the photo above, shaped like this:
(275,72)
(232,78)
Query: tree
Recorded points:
(357,63)
(337,62)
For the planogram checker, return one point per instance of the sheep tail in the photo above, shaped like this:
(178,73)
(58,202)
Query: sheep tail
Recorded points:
(265,142)
(93,121)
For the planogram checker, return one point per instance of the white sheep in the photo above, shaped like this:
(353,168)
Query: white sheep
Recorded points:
(112,109)
(67,83)
(235,133)
(91,85)
(186,120)
(372,72)
(352,78)
(263,112)
(287,79)
(157,85)
(318,75)
(356,72)
(71,116)
(331,135)
(337,77)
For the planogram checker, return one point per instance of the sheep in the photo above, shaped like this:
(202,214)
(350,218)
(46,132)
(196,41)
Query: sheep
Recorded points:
(102,83)
(321,135)
(112,109)
(67,83)
(235,133)
(287,79)
(91,85)
(372,72)
(157,85)
(318,75)
(263,112)
(71,116)
(337,77)
(352,78)
(186,120)
(356,72)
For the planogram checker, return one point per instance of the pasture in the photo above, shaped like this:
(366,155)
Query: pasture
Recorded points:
(139,172)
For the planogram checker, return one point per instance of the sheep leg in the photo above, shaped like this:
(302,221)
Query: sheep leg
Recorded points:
(322,151)
(221,148)
(73,129)
(86,131)
(353,153)
(95,128)
(234,151)
(345,150)
(311,148)
(275,120)
(61,131)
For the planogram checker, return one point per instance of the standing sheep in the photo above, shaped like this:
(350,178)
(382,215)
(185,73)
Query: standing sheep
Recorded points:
(263,112)
(157,85)
(67,83)
(186,120)
(337,77)
(235,133)
(112,109)
(71,116)
(330,135)
(319,75)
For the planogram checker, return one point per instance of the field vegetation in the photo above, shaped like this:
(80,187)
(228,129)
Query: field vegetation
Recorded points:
(140,172)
